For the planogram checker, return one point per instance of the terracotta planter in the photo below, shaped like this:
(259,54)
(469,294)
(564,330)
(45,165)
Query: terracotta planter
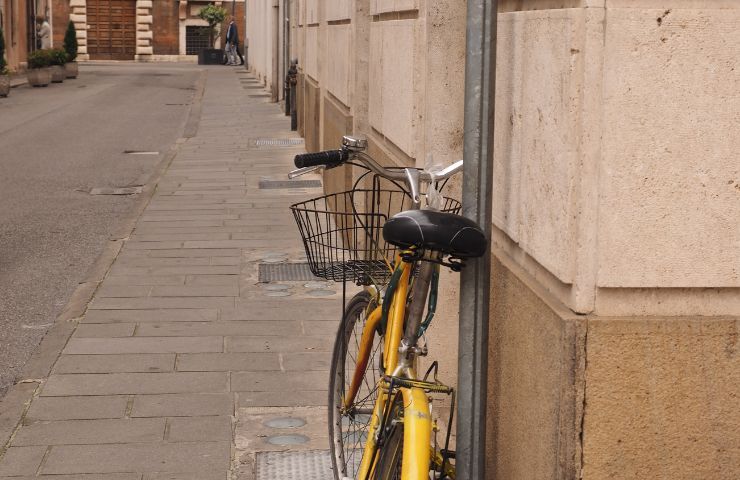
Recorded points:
(39,77)
(58,74)
(4,85)
(71,69)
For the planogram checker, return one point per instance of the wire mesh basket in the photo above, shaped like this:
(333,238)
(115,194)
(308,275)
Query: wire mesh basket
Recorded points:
(343,233)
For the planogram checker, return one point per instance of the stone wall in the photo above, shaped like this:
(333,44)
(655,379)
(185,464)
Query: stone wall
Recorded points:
(615,287)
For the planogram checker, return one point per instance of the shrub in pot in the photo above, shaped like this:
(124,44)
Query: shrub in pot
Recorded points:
(70,46)
(39,73)
(4,71)
(215,16)
(57,58)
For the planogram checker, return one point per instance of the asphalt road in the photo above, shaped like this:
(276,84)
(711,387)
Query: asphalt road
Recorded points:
(56,145)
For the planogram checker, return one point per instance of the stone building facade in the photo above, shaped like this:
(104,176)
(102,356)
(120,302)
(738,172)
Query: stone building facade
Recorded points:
(616,247)
(145,30)
(17,20)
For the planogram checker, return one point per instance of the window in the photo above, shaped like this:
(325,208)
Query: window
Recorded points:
(196,39)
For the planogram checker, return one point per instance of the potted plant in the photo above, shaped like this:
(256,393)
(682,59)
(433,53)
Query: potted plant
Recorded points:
(39,73)
(57,58)
(4,71)
(215,16)
(70,46)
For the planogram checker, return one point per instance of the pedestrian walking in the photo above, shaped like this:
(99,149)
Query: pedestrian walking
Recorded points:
(44,32)
(232,44)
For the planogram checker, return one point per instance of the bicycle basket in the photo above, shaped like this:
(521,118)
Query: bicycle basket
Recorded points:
(343,233)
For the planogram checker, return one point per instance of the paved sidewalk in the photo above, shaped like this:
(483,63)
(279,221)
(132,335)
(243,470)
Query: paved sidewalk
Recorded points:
(183,358)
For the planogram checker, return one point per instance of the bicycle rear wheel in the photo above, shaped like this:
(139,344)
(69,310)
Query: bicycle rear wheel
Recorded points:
(348,426)
(390,453)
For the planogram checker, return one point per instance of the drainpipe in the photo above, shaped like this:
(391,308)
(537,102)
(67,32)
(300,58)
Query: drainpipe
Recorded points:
(480,95)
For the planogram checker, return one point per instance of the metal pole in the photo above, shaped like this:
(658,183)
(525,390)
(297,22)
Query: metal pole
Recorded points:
(480,84)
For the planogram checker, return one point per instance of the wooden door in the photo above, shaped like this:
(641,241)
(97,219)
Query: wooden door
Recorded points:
(111,31)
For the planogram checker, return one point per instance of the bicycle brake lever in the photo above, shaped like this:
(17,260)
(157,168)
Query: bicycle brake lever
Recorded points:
(302,171)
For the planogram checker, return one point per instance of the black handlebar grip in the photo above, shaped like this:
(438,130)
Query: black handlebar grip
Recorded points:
(329,158)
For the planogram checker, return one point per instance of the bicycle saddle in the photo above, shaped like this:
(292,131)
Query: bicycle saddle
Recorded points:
(448,233)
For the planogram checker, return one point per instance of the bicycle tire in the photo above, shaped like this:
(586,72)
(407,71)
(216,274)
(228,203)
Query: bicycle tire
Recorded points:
(347,432)
(390,453)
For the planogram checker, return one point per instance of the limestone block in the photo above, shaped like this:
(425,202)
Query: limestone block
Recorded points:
(312,54)
(392,82)
(142,42)
(338,10)
(140,34)
(78,18)
(670,186)
(144,19)
(78,3)
(144,4)
(338,69)
(312,12)
(144,50)
(375,92)
(661,396)
(143,12)
(81,35)
(538,133)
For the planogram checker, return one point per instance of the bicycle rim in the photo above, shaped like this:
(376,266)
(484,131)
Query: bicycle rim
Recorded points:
(348,431)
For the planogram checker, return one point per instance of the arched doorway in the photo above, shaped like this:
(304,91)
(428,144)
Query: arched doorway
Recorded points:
(111,31)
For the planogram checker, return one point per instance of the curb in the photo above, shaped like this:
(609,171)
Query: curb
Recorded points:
(18,399)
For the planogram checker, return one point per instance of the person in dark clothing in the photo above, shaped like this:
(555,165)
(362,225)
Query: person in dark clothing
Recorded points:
(232,44)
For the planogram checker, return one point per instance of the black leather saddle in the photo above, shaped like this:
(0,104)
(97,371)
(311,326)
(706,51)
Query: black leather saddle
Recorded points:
(431,230)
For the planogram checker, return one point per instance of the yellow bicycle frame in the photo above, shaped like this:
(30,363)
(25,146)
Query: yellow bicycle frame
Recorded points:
(417,420)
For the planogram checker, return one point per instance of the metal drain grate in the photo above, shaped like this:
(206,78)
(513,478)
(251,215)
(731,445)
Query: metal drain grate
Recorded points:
(285,272)
(310,465)
(273,184)
(277,142)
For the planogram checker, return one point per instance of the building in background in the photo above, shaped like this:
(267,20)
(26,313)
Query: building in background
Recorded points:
(615,313)
(18,20)
(144,30)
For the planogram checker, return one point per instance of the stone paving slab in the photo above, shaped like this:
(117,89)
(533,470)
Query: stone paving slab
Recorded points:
(115,363)
(198,457)
(182,405)
(77,408)
(134,383)
(77,432)
(181,354)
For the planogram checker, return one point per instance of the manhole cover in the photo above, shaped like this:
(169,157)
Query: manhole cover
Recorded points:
(278,142)
(285,272)
(275,287)
(285,422)
(287,439)
(116,191)
(273,184)
(309,465)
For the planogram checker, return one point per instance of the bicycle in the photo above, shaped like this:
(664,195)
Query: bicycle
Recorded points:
(380,422)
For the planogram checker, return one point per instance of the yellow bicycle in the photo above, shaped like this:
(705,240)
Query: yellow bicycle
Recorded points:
(391,237)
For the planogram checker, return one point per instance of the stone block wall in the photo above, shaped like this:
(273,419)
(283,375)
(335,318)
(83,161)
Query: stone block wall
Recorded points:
(616,215)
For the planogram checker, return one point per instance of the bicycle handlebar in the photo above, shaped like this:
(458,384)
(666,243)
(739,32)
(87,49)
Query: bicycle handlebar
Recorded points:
(329,159)
(308,162)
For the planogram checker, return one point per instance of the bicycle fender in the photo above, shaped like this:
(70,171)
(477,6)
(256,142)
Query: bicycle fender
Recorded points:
(417,435)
